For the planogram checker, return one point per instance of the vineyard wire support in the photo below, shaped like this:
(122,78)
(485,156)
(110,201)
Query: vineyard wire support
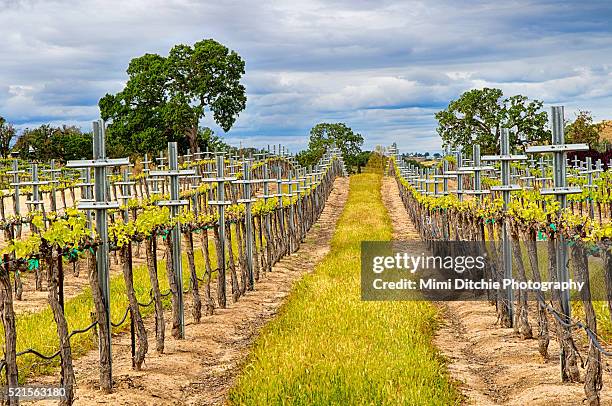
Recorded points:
(506,189)
(293,243)
(53,171)
(101,205)
(16,183)
(560,190)
(266,192)
(36,202)
(248,201)
(174,203)
(589,171)
(221,179)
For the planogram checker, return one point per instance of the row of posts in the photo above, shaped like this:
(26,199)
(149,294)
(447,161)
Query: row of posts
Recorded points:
(98,203)
(421,178)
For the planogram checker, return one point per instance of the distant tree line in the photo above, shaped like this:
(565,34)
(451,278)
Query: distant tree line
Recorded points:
(47,142)
(65,142)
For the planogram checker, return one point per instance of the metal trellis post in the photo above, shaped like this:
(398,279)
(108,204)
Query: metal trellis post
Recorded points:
(506,189)
(248,201)
(174,203)
(560,190)
(221,203)
(101,205)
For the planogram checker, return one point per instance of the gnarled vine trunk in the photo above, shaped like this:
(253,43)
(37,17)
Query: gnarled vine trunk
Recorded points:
(210,304)
(141,332)
(10,332)
(196,310)
(592,376)
(532,254)
(174,288)
(160,325)
(103,319)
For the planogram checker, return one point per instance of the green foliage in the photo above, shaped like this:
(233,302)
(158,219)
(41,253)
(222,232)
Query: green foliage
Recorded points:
(308,157)
(582,130)
(61,143)
(165,98)
(324,135)
(7,133)
(376,163)
(482,113)
(361,159)
(207,140)
(62,232)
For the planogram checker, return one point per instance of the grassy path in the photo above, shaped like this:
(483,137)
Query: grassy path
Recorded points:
(329,347)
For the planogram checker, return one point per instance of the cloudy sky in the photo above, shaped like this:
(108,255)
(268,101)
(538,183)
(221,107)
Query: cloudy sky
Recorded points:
(382,67)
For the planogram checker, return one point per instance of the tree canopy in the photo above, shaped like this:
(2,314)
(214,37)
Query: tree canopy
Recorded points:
(482,113)
(7,133)
(165,98)
(325,135)
(47,142)
(582,130)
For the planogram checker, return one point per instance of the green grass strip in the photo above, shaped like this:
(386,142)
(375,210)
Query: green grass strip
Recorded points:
(328,347)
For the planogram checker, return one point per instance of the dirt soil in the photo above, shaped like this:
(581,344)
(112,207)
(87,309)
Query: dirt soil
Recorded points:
(74,283)
(201,369)
(493,365)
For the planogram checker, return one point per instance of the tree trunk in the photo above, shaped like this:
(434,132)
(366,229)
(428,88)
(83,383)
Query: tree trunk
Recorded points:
(592,377)
(543,336)
(495,267)
(10,332)
(269,242)
(192,137)
(258,262)
(141,332)
(232,264)
(160,325)
(502,309)
(174,288)
(196,311)
(221,288)
(103,325)
(74,201)
(19,283)
(570,371)
(63,195)
(210,304)
(523,315)
(242,262)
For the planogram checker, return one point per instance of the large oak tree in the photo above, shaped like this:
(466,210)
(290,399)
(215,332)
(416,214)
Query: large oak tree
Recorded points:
(482,113)
(165,98)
